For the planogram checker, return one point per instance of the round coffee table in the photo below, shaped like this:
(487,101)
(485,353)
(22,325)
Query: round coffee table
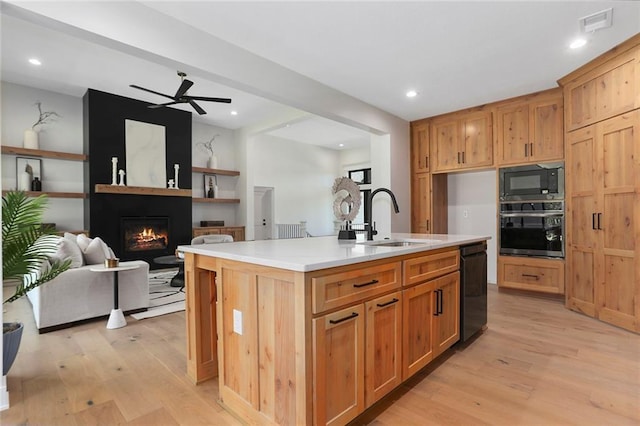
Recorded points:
(178,279)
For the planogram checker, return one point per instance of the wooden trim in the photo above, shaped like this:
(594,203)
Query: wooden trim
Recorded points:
(15,150)
(216,200)
(51,194)
(215,171)
(626,45)
(102,188)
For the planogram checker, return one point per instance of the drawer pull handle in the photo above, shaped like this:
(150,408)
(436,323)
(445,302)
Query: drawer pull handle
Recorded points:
(390,302)
(531,276)
(366,284)
(353,315)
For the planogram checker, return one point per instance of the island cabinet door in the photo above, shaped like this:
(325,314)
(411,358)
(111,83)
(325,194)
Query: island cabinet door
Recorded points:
(446,323)
(417,315)
(338,368)
(383,368)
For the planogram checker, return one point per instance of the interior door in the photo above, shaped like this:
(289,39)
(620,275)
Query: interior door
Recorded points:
(263,213)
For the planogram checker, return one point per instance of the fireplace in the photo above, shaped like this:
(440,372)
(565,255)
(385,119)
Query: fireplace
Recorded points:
(144,234)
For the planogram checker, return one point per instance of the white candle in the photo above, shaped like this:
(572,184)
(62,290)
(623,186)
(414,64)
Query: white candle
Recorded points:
(170,183)
(114,170)
(121,173)
(176,167)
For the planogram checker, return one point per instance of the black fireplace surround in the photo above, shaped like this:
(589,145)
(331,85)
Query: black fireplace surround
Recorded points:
(104,138)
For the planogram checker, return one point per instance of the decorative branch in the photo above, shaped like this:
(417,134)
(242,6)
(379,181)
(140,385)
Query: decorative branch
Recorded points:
(208,145)
(45,116)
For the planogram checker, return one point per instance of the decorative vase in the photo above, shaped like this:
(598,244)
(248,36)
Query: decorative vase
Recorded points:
(24,183)
(30,139)
(10,344)
(212,162)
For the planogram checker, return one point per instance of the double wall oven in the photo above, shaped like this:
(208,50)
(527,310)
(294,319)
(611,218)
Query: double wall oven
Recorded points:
(532,210)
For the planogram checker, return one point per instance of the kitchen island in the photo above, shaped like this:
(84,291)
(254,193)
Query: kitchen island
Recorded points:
(315,330)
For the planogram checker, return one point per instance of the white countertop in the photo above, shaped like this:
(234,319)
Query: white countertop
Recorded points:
(314,253)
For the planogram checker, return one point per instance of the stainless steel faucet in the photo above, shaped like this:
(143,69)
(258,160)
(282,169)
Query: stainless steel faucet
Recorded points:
(371,228)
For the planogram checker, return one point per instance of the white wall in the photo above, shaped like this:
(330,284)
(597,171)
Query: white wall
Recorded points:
(474,193)
(301,175)
(18,114)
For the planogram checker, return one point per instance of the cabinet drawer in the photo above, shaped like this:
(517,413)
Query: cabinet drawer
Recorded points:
(543,275)
(343,288)
(423,268)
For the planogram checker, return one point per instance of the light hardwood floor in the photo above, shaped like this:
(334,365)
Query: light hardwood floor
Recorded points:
(536,364)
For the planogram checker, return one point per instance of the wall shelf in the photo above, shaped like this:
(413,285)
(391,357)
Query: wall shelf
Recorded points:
(141,190)
(53,194)
(215,171)
(217,200)
(15,150)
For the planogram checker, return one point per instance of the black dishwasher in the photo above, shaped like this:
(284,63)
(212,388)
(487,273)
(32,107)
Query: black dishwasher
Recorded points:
(473,289)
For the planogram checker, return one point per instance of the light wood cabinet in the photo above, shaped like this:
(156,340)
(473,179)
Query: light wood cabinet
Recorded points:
(603,213)
(530,129)
(420,147)
(533,274)
(606,87)
(358,348)
(339,366)
(462,140)
(429,203)
(417,348)
(421,203)
(430,311)
(383,348)
(446,319)
(237,232)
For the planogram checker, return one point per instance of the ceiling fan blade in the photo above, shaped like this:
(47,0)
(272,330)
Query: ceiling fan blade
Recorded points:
(161,105)
(203,98)
(186,84)
(197,108)
(150,91)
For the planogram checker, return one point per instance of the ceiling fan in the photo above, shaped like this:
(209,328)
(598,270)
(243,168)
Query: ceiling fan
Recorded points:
(181,96)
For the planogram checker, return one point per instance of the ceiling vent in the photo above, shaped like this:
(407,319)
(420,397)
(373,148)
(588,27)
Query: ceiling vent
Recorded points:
(596,21)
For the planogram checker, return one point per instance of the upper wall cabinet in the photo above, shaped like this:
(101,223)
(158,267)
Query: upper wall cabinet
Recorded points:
(606,88)
(462,140)
(530,129)
(420,147)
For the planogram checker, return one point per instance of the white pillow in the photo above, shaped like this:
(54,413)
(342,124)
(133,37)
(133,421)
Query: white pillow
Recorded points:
(68,249)
(95,250)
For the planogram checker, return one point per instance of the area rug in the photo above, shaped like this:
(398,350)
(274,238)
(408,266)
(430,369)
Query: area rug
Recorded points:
(163,299)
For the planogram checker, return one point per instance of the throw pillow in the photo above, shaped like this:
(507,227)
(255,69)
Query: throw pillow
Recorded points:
(83,241)
(97,251)
(68,249)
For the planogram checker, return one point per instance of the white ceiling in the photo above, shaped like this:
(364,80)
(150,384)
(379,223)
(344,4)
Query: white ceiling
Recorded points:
(455,54)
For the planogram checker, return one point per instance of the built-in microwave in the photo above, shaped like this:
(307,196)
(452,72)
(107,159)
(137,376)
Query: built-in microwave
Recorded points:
(533,181)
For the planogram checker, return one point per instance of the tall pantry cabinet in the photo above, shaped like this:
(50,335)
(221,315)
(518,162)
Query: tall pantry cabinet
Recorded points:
(602,141)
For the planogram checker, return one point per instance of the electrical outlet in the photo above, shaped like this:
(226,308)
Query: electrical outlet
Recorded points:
(465,213)
(237,322)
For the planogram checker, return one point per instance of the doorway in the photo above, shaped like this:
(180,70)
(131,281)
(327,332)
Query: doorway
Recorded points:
(263,213)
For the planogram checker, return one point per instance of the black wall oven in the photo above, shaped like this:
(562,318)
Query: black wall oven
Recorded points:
(532,228)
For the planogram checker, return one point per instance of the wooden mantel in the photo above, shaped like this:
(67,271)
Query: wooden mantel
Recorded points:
(102,188)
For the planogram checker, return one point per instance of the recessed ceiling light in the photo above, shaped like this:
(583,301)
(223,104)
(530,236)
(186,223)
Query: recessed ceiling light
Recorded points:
(412,94)
(341,145)
(577,43)
(234,112)
(34,61)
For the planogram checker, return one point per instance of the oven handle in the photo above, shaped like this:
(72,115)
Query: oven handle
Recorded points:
(527,214)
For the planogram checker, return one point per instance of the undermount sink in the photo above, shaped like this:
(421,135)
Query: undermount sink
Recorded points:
(396,243)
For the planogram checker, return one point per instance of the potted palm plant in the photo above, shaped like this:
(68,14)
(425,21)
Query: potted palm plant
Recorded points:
(26,245)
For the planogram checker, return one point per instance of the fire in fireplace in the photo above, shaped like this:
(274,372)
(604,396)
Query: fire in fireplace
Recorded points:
(145,233)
